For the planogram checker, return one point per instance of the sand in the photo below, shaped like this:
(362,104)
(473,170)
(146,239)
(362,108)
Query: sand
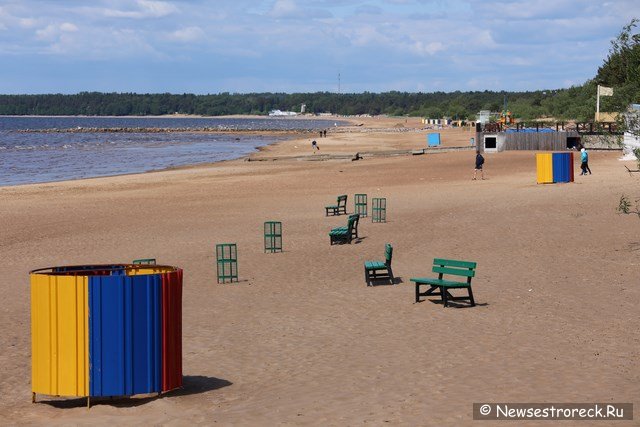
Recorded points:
(301,340)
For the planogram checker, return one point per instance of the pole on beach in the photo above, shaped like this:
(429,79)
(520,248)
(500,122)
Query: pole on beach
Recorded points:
(598,104)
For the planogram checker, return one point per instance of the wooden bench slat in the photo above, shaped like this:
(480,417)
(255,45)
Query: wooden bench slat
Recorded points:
(454,263)
(439,282)
(454,271)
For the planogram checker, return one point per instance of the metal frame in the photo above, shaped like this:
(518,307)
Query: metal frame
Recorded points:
(273,236)
(379,209)
(227,262)
(360,204)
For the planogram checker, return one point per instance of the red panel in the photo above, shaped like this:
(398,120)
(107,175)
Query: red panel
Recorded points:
(571,167)
(172,330)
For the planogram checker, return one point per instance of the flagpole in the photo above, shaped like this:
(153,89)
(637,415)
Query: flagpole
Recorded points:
(598,104)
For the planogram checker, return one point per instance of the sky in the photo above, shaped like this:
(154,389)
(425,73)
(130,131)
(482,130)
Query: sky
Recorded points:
(241,46)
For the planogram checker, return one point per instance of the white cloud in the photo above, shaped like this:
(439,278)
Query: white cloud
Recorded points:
(53,31)
(187,34)
(27,22)
(144,9)
(283,8)
(68,27)
(428,48)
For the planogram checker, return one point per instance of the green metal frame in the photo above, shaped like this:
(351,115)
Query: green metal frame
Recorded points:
(144,261)
(360,206)
(273,236)
(227,262)
(379,210)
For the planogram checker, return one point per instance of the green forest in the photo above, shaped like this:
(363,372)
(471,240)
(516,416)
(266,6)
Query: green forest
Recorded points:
(620,70)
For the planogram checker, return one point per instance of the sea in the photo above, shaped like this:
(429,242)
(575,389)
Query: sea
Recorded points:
(46,149)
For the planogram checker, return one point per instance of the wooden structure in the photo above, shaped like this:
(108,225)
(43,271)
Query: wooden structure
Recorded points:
(377,270)
(546,141)
(339,208)
(450,267)
(345,234)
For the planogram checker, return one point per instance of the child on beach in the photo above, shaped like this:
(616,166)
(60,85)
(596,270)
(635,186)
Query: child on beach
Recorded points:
(314,145)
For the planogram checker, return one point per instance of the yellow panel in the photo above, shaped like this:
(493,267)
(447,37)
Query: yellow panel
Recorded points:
(134,271)
(60,335)
(544,166)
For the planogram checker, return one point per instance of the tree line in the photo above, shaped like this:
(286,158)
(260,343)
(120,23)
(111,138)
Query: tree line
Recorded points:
(562,104)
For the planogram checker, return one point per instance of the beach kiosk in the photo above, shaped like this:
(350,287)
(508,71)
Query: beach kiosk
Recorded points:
(106,330)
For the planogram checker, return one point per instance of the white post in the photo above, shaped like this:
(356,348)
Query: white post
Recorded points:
(598,104)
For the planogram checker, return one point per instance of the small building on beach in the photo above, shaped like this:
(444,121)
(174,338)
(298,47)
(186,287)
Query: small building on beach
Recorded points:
(527,139)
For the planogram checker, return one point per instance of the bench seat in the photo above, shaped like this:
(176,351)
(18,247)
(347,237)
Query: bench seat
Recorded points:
(374,265)
(440,282)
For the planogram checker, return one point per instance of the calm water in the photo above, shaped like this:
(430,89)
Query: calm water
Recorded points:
(27,158)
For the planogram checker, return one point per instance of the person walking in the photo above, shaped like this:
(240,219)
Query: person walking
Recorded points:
(479,163)
(584,162)
(314,145)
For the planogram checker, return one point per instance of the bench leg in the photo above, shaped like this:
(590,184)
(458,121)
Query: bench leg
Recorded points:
(417,292)
(473,303)
(444,295)
(366,277)
(393,280)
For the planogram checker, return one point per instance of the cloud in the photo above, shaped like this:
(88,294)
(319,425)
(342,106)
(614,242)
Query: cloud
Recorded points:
(289,9)
(53,31)
(301,44)
(428,48)
(187,34)
(144,9)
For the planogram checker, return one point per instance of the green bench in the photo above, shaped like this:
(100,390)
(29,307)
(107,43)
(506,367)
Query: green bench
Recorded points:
(345,234)
(337,209)
(144,261)
(450,267)
(376,270)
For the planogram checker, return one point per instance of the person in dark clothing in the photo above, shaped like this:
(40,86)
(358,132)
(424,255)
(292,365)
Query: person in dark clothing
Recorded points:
(324,133)
(584,165)
(479,163)
(314,145)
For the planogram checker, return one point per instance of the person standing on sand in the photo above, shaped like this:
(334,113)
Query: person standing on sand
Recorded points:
(479,163)
(324,133)
(584,161)
(314,145)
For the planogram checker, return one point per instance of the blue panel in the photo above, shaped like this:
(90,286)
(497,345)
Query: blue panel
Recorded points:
(561,167)
(125,335)
(433,139)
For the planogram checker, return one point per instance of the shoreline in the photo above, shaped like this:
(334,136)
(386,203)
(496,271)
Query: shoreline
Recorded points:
(274,136)
(358,127)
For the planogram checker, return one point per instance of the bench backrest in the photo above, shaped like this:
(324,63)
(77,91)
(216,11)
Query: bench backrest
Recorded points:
(342,201)
(352,222)
(144,261)
(388,254)
(454,268)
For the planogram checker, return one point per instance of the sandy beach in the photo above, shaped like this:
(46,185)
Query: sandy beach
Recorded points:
(301,340)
